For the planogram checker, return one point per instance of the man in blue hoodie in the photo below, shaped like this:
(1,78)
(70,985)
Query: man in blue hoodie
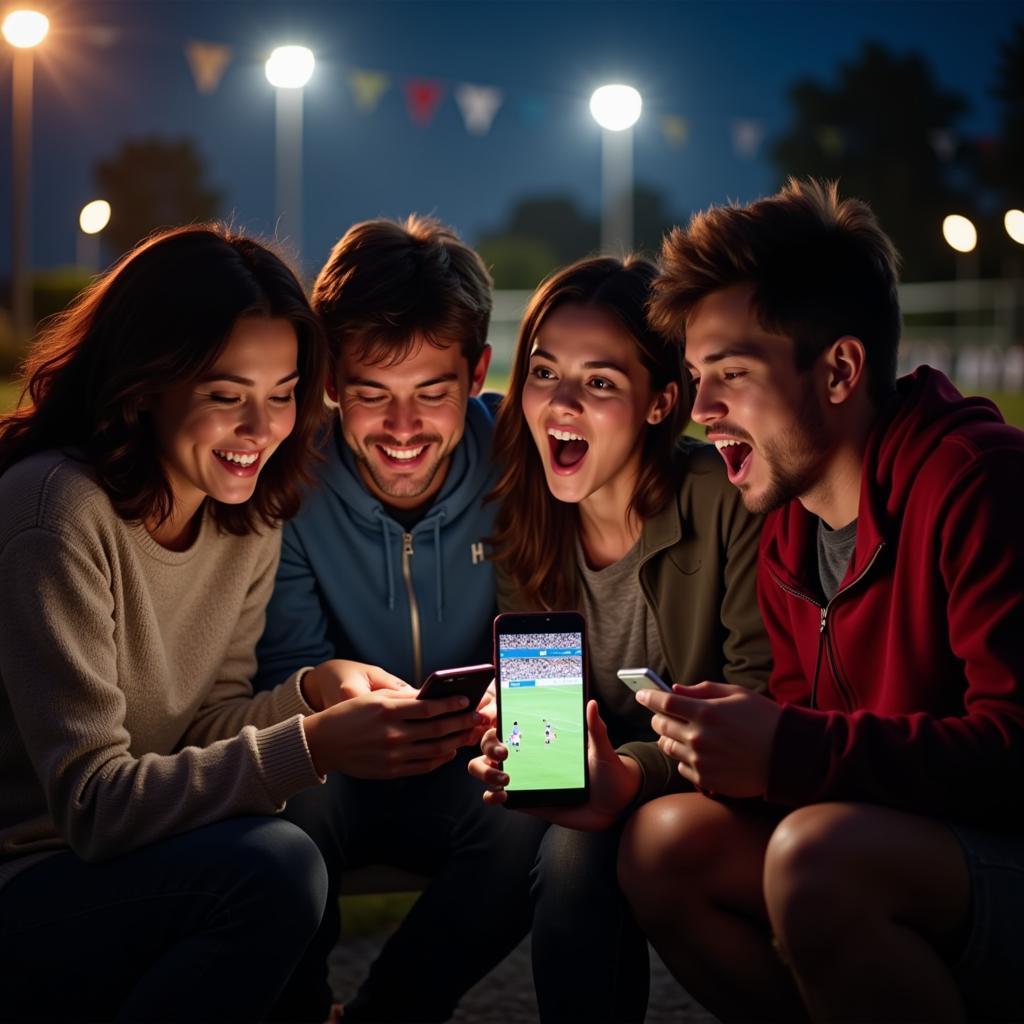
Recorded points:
(385,565)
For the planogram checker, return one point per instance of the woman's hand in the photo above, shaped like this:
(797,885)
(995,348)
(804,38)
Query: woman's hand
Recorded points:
(337,680)
(614,779)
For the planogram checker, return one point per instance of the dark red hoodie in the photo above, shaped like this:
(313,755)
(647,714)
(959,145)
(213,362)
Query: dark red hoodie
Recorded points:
(907,688)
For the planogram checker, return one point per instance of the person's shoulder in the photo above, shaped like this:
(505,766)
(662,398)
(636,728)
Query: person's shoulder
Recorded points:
(53,490)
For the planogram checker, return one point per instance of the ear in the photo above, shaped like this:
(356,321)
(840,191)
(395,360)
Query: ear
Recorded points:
(845,368)
(663,403)
(479,375)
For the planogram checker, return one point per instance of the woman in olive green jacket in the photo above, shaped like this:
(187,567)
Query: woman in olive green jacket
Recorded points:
(605,509)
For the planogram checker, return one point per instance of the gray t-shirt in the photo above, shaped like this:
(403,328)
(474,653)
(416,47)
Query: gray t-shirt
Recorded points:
(835,549)
(620,633)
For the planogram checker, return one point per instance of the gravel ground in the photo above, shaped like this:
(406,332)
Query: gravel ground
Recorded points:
(502,998)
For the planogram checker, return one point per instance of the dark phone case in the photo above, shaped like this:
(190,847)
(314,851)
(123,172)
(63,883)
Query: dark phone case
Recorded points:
(470,682)
(511,623)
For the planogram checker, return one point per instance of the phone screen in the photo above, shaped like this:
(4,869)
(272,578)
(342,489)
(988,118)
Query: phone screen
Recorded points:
(542,699)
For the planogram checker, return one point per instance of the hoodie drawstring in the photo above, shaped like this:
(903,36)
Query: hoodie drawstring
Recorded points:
(389,565)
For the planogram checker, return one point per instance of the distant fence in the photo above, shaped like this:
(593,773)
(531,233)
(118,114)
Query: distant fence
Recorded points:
(971,330)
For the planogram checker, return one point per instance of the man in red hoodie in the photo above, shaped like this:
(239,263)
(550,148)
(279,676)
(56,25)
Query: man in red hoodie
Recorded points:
(855,847)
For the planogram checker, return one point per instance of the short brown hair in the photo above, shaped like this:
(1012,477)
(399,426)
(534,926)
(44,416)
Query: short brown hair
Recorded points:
(161,317)
(389,284)
(821,268)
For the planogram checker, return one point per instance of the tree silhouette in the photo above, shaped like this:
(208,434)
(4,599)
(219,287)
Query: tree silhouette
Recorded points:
(153,183)
(887,131)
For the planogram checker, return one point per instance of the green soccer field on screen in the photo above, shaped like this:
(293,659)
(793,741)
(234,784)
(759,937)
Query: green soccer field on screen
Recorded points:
(545,758)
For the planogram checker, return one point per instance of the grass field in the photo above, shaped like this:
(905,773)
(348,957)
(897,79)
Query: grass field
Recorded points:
(540,765)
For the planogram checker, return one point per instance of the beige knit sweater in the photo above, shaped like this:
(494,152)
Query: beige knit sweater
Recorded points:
(126,712)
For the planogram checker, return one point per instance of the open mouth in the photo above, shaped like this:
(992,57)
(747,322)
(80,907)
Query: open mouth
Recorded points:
(568,449)
(737,457)
(238,463)
(403,457)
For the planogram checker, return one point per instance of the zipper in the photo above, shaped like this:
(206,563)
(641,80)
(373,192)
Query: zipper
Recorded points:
(824,640)
(414,610)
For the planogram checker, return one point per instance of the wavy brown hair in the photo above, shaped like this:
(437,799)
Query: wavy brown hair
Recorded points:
(534,531)
(159,318)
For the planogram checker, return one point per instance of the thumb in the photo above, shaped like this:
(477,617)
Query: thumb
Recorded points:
(705,690)
(600,745)
(381,680)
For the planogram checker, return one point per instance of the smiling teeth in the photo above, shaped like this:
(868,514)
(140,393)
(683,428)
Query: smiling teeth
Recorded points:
(237,457)
(403,453)
(726,444)
(564,435)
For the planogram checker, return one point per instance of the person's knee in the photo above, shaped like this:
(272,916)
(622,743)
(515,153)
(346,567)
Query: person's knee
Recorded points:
(667,840)
(811,885)
(285,868)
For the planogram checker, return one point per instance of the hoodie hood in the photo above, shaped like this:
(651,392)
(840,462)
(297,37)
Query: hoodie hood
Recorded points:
(926,413)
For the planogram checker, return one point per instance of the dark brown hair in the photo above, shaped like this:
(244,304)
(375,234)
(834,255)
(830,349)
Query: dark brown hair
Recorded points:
(534,532)
(821,268)
(389,285)
(159,318)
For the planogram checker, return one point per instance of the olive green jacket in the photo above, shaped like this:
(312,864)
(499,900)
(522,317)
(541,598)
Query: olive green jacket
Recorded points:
(697,568)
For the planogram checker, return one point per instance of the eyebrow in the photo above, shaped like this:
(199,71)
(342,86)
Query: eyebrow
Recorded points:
(736,350)
(366,382)
(235,379)
(593,364)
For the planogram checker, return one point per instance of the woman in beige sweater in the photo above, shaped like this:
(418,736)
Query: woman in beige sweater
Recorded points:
(165,432)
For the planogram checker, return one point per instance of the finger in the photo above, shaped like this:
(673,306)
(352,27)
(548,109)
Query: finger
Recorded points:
(706,690)
(432,707)
(381,680)
(496,797)
(601,745)
(674,728)
(675,704)
(483,770)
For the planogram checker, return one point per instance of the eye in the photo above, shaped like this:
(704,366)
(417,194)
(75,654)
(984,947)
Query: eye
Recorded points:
(369,399)
(283,399)
(733,374)
(433,398)
(542,373)
(224,399)
(601,384)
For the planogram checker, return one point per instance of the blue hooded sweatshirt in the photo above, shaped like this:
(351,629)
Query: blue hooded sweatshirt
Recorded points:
(353,583)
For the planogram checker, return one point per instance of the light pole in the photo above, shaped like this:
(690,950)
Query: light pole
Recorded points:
(288,69)
(616,108)
(24,30)
(95,216)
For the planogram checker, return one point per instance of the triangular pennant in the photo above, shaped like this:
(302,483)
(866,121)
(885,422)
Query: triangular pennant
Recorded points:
(944,144)
(423,95)
(367,88)
(675,129)
(479,105)
(831,140)
(747,135)
(208,62)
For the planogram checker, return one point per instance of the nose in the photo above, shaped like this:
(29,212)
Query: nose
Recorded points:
(708,407)
(255,424)
(402,419)
(567,396)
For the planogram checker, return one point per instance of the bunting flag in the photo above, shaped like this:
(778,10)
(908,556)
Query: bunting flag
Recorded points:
(675,129)
(367,88)
(208,62)
(831,140)
(944,144)
(747,135)
(479,105)
(423,96)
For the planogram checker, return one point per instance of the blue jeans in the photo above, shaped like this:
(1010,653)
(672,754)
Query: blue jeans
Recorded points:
(589,958)
(473,912)
(206,925)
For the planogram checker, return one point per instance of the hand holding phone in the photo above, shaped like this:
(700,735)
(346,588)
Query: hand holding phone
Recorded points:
(470,681)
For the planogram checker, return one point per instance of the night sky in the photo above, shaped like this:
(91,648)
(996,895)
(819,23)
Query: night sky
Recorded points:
(111,70)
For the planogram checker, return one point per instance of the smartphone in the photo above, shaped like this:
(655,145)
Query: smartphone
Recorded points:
(470,681)
(643,679)
(541,689)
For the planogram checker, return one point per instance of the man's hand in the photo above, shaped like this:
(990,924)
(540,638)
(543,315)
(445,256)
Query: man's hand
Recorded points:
(385,735)
(721,735)
(614,780)
(337,680)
